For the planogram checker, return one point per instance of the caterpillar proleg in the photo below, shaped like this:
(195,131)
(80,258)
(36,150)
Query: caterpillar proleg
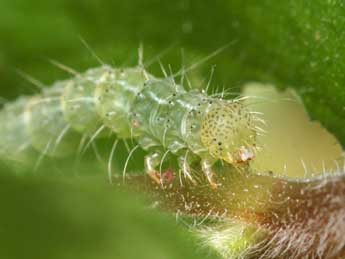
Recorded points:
(159,114)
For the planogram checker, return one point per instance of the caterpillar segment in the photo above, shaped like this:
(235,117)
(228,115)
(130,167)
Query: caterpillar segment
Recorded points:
(14,139)
(159,114)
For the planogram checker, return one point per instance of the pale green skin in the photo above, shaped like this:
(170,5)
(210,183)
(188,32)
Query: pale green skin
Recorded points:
(157,113)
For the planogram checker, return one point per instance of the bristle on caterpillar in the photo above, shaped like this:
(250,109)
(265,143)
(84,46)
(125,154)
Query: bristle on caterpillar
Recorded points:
(159,114)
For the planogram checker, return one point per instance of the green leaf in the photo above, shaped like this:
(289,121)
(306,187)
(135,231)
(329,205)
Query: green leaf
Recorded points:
(43,218)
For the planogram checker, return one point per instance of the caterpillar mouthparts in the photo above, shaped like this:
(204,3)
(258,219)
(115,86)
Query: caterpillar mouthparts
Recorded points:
(159,114)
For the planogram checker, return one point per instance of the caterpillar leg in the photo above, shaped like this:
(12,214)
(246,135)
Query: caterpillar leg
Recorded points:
(184,166)
(206,166)
(151,162)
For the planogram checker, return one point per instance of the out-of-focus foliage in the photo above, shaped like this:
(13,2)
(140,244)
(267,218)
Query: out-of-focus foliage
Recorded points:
(54,218)
(298,43)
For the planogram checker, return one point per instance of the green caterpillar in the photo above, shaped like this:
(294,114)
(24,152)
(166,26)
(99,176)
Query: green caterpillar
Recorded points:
(160,115)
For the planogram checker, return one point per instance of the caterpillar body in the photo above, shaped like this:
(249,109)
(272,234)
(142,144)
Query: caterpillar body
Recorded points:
(160,115)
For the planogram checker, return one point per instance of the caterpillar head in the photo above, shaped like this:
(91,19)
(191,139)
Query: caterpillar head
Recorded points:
(228,132)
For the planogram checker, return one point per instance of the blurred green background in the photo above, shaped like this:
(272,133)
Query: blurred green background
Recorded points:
(296,43)
(58,219)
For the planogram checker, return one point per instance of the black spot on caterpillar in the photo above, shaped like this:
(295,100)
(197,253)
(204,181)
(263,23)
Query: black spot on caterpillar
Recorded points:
(159,114)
